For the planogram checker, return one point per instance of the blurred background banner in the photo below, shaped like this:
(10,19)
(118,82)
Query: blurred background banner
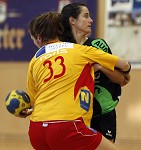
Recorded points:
(15,42)
(123,29)
(137,4)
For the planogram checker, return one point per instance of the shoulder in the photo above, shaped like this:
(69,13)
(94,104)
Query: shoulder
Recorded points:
(98,43)
(95,42)
(40,52)
(88,42)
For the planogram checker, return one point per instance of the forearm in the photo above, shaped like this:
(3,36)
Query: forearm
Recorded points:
(115,76)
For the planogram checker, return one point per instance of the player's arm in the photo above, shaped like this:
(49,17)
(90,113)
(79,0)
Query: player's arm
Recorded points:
(27,112)
(124,67)
(115,76)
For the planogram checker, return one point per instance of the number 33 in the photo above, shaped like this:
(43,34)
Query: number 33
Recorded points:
(49,64)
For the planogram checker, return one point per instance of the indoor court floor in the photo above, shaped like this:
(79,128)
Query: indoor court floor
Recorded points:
(25,145)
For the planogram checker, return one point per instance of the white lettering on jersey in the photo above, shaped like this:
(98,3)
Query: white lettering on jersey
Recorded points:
(48,55)
(53,49)
(56,46)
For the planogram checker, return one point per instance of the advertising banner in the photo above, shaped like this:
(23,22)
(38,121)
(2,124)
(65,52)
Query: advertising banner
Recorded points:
(15,41)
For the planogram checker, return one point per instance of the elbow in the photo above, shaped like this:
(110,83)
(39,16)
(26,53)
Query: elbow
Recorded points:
(122,83)
(125,81)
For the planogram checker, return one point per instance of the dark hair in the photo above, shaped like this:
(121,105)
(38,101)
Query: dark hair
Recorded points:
(47,25)
(70,10)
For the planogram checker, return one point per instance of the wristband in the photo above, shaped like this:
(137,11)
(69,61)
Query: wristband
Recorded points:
(128,69)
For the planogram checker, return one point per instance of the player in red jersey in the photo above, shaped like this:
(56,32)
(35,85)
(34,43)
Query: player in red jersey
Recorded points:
(60,84)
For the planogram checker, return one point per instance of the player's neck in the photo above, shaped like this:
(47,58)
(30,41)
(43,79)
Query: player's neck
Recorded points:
(81,40)
(79,36)
(53,41)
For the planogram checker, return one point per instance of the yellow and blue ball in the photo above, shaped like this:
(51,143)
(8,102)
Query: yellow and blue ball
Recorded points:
(16,101)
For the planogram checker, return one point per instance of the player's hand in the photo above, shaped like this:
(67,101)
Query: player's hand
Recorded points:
(97,67)
(25,113)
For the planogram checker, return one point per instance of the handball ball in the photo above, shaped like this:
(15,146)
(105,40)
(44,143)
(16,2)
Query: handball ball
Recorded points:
(16,101)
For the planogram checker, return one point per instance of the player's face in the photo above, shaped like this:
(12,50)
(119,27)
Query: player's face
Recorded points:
(83,22)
